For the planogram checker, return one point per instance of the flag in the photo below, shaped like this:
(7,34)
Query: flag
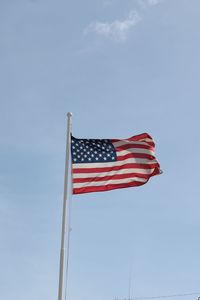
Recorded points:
(107,164)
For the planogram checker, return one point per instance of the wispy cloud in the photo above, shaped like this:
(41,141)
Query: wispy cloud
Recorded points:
(144,4)
(153,2)
(117,30)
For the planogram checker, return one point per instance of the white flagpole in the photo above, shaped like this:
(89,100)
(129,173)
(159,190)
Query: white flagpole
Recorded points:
(65,200)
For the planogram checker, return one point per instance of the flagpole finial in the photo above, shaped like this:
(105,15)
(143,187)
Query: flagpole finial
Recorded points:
(69,114)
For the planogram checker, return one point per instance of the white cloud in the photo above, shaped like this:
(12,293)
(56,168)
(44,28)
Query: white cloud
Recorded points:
(153,2)
(117,30)
(145,3)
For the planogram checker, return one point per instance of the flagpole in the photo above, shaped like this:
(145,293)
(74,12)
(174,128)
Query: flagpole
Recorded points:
(65,202)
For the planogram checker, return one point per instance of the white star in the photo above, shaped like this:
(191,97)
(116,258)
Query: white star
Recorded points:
(105,158)
(96,158)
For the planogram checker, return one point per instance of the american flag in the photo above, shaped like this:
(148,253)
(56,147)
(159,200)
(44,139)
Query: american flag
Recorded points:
(107,164)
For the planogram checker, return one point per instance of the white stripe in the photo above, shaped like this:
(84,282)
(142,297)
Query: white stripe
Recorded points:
(107,182)
(135,150)
(114,164)
(112,173)
(126,142)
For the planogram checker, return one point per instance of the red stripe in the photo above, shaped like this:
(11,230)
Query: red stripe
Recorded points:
(135,155)
(113,177)
(132,146)
(139,138)
(136,137)
(106,187)
(115,168)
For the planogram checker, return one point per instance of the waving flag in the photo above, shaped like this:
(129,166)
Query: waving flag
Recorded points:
(107,164)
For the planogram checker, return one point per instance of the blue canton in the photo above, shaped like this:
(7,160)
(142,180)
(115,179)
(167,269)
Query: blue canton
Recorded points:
(92,151)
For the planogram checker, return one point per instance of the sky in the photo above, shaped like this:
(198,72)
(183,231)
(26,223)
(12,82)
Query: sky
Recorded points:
(122,68)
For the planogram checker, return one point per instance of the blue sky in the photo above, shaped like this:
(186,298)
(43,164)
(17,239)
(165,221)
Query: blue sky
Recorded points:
(122,68)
